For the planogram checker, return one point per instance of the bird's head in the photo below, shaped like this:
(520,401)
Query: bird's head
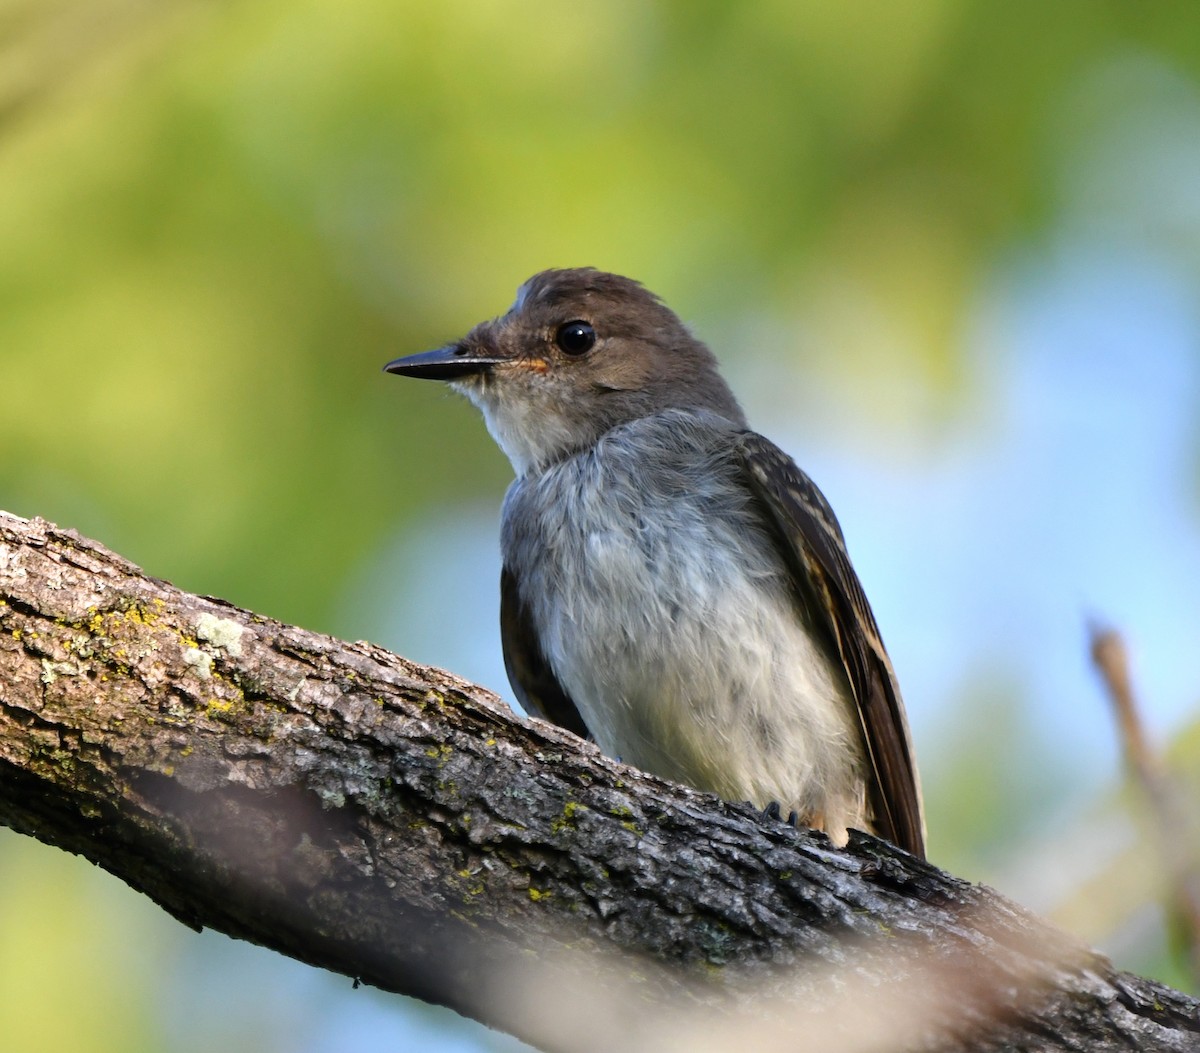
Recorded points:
(579,353)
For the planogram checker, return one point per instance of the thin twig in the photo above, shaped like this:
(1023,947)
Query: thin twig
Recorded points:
(1172,828)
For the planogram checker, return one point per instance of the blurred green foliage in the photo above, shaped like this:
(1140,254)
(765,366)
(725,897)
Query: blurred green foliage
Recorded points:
(218,221)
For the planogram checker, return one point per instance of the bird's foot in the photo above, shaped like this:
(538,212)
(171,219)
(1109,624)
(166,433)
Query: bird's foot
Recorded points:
(773,811)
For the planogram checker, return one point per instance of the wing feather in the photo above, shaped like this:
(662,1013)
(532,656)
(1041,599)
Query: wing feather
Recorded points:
(532,679)
(812,544)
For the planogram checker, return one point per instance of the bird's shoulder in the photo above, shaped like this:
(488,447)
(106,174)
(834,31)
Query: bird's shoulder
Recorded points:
(780,480)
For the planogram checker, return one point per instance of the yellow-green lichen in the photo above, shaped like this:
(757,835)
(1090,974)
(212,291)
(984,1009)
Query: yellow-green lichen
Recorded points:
(625,813)
(476,886)
(63,759)
(537,894)
(138,615)
(216,706)
(116,629)
(566,821)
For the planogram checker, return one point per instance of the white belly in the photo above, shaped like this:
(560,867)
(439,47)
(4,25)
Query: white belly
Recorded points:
(670,620)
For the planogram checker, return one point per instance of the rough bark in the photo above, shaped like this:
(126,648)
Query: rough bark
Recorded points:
(399,825)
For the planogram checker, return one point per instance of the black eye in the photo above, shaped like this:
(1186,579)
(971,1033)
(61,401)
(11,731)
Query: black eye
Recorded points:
(575,338)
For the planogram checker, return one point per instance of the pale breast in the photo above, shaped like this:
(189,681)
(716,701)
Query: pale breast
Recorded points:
(669,617)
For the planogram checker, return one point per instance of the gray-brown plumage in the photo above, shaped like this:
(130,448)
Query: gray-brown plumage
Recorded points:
(673,584)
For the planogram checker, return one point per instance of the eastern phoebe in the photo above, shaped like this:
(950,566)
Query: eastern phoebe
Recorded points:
(673,585)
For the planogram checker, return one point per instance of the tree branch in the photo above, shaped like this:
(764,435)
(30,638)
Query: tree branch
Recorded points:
(394,823)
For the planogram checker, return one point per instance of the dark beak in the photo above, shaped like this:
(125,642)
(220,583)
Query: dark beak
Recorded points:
(445,363)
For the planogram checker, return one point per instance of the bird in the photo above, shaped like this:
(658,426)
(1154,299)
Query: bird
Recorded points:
(673,586)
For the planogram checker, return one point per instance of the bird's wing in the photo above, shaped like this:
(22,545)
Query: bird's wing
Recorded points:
(534,682)
(812,544)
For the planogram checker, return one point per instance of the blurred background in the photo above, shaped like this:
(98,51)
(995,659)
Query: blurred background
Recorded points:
(948,252)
